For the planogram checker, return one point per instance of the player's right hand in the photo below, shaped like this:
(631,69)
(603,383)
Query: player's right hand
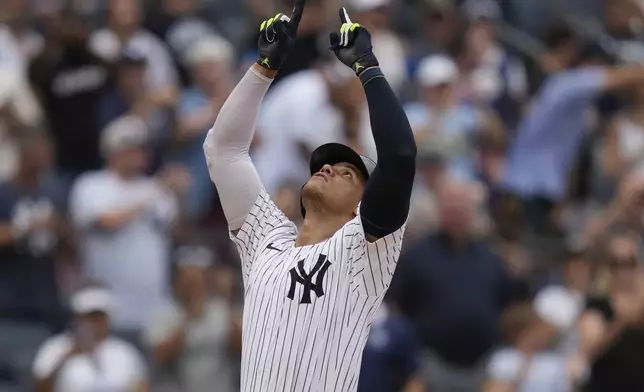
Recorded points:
(277,37)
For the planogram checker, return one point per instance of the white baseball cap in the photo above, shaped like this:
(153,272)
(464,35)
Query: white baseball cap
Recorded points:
(210,48)
(93,299)
(557,306)
(368,5)
(435,70)
(124,132)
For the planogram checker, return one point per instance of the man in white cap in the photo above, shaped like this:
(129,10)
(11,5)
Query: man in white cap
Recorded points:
(529,363)
(123,219)
(88,358)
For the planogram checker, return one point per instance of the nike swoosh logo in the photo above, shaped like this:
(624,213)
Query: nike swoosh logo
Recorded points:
(271,247)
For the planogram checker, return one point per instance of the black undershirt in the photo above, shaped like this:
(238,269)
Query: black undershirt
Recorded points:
(385,204)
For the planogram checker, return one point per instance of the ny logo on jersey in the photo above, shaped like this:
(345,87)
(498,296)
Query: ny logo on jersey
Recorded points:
(298,275)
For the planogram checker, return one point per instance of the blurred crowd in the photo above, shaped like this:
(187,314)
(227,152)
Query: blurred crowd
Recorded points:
(521,269)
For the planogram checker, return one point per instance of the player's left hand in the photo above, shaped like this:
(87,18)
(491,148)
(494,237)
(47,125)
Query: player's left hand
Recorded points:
(352,45)
(277,37)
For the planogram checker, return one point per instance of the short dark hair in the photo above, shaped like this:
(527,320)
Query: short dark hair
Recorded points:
(557,35)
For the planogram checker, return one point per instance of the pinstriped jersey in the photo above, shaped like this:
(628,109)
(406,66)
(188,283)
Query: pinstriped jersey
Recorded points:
(308,309)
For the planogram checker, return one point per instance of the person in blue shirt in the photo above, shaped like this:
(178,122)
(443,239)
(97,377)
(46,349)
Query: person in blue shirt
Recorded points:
(550,136)
(390,361)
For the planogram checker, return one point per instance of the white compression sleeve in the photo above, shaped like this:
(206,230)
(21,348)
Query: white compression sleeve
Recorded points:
(227,144)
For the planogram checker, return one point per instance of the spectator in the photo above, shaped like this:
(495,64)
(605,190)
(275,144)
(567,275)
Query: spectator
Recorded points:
(440,26)
(623,21)
(568,294)
(19,110)
(15,15)
(124,31)
(375,15)
(440,117)
(211,61)
(128,94)
(18,105)
(527,364)
(192,333)
(423,215)
(453,288)
(31,231)
(71,80)
(180,25)
(611,328)
(329,102)
(390,361)
(624,211)
(550,135)
(624,141)
(129,97)
(89,358)
(123,219)
(13,58)
(492,76)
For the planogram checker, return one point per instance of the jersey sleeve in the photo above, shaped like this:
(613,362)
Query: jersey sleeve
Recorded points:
(265,224)
(372,264)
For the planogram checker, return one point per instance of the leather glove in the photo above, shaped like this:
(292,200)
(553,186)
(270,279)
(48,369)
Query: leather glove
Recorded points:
(277,37)
(352,45)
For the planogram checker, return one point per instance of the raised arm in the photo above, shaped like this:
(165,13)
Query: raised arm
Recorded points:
(227,143)
(385,204)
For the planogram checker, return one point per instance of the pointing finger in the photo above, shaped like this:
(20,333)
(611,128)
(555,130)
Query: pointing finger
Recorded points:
(344,16)
(298,10)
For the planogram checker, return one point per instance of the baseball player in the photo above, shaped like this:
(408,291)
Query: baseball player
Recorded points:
(310,295)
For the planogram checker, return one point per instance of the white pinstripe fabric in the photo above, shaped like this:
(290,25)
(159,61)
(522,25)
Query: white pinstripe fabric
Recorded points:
(317,347)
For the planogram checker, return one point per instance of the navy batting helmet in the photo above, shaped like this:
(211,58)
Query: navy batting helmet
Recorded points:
(332,153)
